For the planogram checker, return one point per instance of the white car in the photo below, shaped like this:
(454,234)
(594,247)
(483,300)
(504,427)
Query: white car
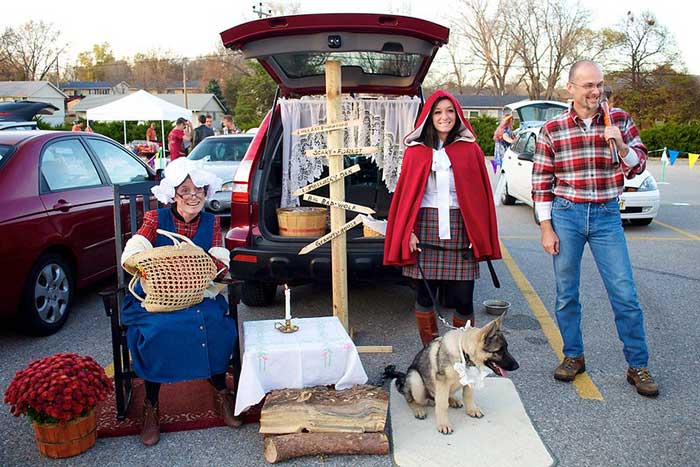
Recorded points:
(639,202)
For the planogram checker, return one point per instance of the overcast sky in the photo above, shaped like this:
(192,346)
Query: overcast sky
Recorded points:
(191,29)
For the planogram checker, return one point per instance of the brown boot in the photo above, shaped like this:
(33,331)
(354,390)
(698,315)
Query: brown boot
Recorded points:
(569,368)
(427,326)
(225,403)
(642,380)
(459,322)
(150,429)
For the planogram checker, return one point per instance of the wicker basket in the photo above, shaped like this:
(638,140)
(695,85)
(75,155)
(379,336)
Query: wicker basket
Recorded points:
(173,277)
(302,221)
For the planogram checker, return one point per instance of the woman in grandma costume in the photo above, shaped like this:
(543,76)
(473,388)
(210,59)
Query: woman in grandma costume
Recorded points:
(195,342)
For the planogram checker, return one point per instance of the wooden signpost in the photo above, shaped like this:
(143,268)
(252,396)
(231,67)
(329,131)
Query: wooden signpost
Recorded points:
(336,178)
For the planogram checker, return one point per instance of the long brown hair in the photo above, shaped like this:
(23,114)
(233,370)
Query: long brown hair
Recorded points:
(429,136)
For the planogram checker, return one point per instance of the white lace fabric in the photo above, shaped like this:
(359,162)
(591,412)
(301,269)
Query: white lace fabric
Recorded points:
(384,123)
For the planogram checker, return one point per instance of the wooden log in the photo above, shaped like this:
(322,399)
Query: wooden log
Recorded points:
(359,409)
(280,448)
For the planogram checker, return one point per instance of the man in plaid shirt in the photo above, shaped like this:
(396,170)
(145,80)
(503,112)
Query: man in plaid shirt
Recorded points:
(575,187)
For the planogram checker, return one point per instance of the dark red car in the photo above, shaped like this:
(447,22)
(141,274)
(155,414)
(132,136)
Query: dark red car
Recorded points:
(56,220)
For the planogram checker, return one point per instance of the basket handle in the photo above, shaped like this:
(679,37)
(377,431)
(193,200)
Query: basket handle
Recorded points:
(175,236)
(132,284)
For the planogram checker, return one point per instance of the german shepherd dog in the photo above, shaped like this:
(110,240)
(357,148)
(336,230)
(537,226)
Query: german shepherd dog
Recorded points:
(432,375)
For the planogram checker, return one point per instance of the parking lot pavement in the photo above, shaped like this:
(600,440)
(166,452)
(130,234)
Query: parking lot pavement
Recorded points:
(621,429)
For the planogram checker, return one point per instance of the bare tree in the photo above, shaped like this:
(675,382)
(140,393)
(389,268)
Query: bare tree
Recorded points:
(31,50)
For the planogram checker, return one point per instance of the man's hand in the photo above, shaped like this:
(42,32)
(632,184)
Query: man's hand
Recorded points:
(550,240)
(613,132)
(413,243)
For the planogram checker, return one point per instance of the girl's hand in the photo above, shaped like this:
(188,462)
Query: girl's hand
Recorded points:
(413,243)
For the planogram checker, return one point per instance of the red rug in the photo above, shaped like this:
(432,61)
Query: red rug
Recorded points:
(183,406)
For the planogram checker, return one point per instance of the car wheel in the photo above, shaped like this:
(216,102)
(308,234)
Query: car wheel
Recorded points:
(47,297)
(505,197)
(256,293)
(641,221)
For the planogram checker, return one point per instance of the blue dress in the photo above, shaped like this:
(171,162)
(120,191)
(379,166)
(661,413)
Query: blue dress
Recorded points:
(192,343)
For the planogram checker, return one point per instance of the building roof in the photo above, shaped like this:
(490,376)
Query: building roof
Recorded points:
(195,101)
(494,102)
(91,84)
(24,89)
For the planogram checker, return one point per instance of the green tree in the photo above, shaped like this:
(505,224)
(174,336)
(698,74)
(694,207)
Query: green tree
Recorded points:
(92,64)
(256,93)
(214,88)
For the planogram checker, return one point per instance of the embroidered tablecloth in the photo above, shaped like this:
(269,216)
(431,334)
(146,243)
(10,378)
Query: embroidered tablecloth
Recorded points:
(319,353)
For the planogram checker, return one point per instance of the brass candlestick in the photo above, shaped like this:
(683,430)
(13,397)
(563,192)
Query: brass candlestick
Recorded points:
(287,327)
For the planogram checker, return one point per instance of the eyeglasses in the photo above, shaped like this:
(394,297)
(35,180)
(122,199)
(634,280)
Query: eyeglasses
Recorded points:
(590,86)
(190,194)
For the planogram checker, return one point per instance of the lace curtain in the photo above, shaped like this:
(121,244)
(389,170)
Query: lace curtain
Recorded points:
(384,124)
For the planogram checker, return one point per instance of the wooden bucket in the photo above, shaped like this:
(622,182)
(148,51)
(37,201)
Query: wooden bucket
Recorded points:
(302,221)
(57,441)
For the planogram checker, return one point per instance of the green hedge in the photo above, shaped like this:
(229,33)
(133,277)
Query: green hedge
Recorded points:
(681,137)
(484,127)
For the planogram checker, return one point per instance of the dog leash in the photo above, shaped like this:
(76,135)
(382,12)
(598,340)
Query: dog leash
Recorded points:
(429,246)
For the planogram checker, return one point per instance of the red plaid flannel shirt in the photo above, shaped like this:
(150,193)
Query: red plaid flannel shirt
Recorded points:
(575,163)
(150,225)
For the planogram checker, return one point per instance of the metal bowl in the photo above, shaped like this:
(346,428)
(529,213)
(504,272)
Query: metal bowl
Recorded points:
(496,307)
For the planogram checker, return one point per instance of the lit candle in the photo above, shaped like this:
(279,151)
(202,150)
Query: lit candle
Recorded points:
(287,303)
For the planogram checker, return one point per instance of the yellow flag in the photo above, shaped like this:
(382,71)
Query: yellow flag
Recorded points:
(692,158)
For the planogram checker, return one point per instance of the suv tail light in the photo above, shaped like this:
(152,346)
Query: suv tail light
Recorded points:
(240,182)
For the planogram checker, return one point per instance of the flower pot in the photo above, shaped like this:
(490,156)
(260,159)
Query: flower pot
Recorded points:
(58,440)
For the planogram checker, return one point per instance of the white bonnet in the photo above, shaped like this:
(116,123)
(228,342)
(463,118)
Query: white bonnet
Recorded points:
(177,171)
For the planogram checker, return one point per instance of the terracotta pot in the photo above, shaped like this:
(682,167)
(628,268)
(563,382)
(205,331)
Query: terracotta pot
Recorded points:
(58,440)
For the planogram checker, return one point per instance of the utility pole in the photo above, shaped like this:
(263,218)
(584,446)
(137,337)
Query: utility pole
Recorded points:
(260,12)
(184,81)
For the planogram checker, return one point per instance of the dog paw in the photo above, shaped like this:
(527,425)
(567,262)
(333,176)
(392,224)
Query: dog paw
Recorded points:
(420,414)
(475,412)
(455,403)
(445,429)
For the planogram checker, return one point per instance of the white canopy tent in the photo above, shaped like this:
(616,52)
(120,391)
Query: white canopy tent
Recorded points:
(141,106)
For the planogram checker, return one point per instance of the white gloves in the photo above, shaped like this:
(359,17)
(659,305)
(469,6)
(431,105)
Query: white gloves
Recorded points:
(135,244)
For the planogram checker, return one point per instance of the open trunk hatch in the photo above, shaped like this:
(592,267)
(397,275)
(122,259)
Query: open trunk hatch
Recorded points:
(384,54)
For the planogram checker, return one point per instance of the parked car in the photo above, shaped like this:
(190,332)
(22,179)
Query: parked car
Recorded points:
(222,155)
(385,55)
(18,115)
(57,223)
(639,201)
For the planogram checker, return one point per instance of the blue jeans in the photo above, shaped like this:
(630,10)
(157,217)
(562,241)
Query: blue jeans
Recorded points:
(599,225)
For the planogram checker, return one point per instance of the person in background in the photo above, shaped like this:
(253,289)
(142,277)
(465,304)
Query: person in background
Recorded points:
(575,187)
(77,126)
(176,138)
(88,129)
(151,135)
(204,130)
(442,200)
(503,137)
(230,127)
(209,122)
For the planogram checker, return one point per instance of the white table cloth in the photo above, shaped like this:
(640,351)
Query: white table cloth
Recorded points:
(319,353)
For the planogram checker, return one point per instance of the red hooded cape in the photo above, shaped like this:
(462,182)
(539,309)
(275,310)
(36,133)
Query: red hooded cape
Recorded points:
(471,182)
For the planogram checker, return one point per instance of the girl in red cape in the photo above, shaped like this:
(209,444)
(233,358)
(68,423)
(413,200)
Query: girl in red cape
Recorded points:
(443,198)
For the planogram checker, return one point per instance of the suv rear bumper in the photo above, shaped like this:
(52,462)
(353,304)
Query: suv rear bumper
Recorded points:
(278,262)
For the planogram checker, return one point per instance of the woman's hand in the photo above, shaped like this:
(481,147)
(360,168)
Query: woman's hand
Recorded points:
(413,243)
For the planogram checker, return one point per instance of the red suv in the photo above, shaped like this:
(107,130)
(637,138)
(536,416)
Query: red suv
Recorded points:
(56,221)
(384,58)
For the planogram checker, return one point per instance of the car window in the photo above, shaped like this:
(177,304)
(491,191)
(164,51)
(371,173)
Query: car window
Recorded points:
(301,64)
(519,145)
(221,150)
(530,144)
(66,164)
(121,167)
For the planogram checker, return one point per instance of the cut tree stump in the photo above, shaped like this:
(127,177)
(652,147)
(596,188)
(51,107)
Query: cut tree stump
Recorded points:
(360,409)
(283,447)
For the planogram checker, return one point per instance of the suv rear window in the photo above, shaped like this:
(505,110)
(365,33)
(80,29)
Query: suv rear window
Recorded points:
(301,64)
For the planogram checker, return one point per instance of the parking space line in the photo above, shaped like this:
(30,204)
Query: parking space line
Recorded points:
(687,238)
(583,383)
(677,230)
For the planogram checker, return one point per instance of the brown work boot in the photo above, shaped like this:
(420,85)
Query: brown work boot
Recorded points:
(569,368)
(225,404)
(459,322)
(642,380)
(150,429)
(427,326)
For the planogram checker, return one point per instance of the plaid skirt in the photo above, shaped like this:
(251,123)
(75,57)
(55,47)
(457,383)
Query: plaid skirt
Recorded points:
(449,264)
